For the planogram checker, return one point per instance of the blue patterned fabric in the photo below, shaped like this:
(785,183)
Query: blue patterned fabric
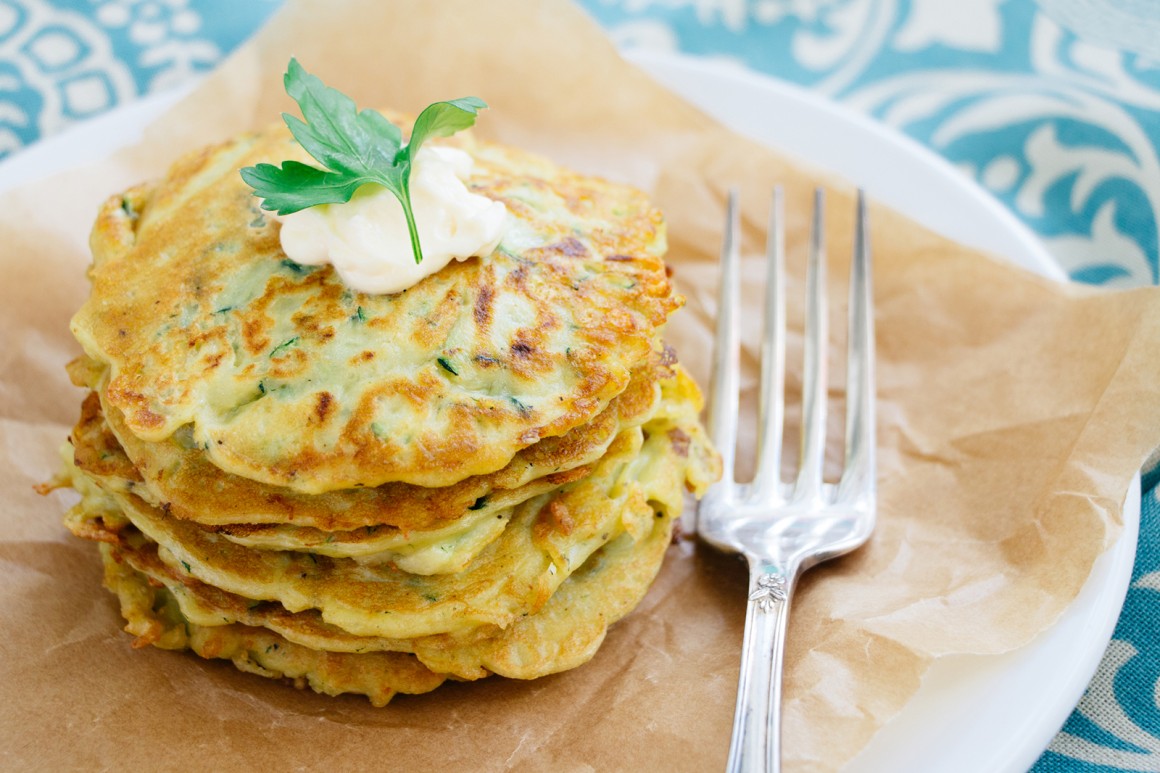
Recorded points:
(1061,129)
(1116,726)
(62,62)
(1052,105)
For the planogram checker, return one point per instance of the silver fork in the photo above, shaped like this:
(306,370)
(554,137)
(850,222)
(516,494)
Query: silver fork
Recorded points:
(783,529)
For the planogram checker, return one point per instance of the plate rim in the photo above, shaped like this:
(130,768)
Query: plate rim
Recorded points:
(1032,253)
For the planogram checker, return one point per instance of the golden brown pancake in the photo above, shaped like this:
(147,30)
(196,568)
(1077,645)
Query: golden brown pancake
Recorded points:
(374,493)
(152,615)
(564,634)
(183,481)
(448,547)
(280,373)
(548,538)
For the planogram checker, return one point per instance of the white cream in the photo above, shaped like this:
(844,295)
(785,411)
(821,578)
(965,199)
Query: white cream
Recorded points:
(366,238)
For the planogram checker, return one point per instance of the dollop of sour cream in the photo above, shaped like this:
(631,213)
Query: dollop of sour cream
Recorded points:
(366,238)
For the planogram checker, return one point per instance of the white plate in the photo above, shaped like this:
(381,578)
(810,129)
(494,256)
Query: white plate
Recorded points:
(972,713)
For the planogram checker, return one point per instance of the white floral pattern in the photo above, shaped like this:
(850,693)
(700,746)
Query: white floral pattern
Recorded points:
(165,31)
(1054,124)
(65,61)
(975,26)
(57,69)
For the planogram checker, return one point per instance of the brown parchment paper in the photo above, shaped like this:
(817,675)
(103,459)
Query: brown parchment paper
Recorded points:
(1013,413)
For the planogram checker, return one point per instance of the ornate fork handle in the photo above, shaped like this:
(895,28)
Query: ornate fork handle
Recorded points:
(757,717)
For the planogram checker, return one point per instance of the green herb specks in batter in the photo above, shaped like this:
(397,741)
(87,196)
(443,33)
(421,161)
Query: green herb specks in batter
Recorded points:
(284,345)
(523,409)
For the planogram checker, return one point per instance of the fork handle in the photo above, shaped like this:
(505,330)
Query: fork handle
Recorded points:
(756,741)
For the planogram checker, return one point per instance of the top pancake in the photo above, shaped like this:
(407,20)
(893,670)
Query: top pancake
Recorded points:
(282,374)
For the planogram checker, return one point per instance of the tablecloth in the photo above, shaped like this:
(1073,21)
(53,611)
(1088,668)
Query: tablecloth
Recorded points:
(1051,105)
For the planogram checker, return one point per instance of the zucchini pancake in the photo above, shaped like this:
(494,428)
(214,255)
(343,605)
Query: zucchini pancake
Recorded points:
(373,492)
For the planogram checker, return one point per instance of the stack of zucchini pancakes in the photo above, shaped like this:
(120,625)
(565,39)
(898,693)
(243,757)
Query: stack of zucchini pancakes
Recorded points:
(376,493)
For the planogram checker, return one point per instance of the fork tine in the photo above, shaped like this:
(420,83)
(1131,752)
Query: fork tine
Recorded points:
(813,445)
(858,475)
(772,396)
(726,356)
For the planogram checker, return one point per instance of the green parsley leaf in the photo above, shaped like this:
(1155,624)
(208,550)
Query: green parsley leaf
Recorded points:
(354,147)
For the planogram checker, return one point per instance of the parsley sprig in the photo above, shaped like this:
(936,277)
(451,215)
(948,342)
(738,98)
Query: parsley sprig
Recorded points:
(354,147)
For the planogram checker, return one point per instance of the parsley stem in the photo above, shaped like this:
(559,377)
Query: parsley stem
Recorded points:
(412,230)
